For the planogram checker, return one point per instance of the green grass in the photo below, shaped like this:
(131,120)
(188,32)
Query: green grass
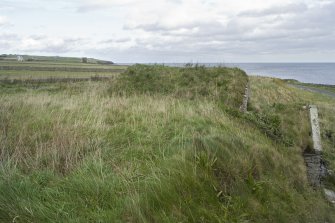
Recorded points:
(99,152)
(225,86)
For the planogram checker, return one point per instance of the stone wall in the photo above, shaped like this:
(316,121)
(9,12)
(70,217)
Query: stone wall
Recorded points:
(54,80)
(314,119)
(313,165)
(313,159)
(69,69)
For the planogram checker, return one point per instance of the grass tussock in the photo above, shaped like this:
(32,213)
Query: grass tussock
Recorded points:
(77,153)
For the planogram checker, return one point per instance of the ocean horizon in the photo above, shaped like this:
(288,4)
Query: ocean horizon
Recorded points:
(316,73)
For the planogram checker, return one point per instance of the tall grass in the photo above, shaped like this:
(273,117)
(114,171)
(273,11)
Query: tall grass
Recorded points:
(82,152)
(222,85)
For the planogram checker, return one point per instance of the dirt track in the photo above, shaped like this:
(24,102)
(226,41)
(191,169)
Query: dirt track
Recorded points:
(317,90)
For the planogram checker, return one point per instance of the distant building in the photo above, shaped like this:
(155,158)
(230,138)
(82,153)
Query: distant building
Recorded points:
(20,58)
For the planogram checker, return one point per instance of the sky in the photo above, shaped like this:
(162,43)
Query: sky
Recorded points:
(171,31)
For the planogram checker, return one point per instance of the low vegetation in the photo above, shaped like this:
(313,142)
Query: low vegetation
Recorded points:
(157,144)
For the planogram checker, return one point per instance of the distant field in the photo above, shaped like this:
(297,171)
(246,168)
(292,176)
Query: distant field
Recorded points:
(10,70)
(13,74)
(43,59)
(59,64)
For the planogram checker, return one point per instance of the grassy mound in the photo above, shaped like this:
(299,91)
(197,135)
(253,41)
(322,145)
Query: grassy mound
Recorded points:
(77,153)
(223,85)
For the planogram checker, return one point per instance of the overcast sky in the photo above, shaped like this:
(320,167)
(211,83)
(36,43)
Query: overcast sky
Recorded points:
(171,30)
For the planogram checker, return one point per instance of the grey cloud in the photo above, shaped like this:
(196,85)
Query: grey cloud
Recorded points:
(284,9)
(156,26)
(38,37)
(21,4)
(67,45)
(15,43)
(6,40)
(8,37)
(288,29)
(116,40)
(316,18)
(90,7)
(3,21)
(6,5)
(310,29)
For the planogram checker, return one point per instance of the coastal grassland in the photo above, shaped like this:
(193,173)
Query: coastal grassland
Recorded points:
(276,97)
(88,152)
(31,75)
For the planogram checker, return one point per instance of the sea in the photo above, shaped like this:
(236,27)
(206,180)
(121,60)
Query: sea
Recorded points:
(316,73)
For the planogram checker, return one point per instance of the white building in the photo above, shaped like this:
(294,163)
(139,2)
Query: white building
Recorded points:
(20,58)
